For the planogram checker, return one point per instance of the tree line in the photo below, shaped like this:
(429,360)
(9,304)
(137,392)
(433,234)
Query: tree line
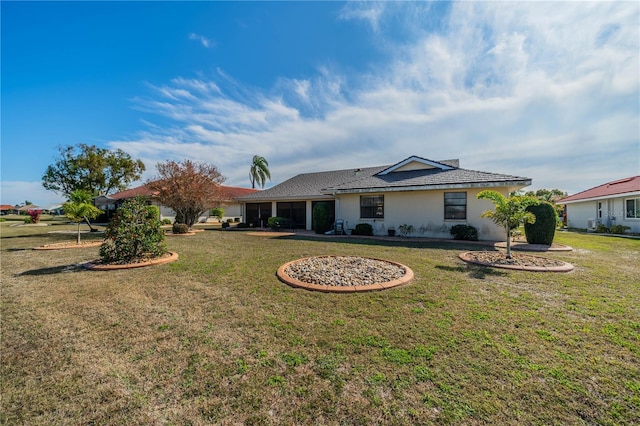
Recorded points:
(189,188)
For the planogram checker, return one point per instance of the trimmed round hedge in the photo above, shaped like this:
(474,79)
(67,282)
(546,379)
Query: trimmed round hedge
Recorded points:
(543,229)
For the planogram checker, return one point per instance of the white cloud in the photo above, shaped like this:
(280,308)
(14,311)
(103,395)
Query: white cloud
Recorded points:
(543,90)
(202,39)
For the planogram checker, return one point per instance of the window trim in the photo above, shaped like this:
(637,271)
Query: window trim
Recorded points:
(373,207)
(466,205)
(637,208)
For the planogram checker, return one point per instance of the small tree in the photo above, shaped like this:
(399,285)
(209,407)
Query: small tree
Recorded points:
(218,213)
(35,215)
(189,188)
(79,208)
(321,218)
(509,212)
(134,233)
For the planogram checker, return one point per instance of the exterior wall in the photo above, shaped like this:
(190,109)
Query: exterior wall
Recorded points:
(612,213)
(424,210)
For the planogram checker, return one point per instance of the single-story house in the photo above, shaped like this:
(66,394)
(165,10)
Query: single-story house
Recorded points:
(7,209)
(431,196)
(232,209)
(612,203)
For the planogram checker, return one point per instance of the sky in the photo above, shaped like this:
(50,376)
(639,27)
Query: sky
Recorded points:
(544,90)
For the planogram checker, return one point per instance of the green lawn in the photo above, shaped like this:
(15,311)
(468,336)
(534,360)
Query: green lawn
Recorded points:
(215,338)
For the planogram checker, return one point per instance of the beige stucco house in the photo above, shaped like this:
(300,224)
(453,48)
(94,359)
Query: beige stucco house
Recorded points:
(612,203)
(431,196)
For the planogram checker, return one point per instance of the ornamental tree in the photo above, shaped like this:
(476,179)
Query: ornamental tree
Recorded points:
(79,208)
(96,170)
(509,212)
(133,234)
(189,188)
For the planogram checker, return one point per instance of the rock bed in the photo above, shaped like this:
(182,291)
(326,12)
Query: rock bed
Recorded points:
(344,271)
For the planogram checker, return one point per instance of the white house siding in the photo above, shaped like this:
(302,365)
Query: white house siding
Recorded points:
(424,210)
(608,211)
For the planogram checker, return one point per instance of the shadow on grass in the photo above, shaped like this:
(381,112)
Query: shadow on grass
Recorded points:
(474,271)
(74,267)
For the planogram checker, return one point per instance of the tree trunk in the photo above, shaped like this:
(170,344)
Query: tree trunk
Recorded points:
(508,241)
(78,239)
(91,228)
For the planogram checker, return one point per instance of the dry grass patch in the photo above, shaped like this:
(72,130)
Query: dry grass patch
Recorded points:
(215,338)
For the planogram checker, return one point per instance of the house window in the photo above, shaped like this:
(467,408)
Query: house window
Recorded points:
(632,208)
(372,207)
(455,205)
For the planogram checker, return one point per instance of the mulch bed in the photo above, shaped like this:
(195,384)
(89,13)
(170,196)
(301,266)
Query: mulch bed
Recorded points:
(98,265)
(69,245)
(525,262)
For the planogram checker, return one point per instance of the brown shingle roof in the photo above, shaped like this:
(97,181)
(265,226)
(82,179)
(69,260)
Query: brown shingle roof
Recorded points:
(229,192)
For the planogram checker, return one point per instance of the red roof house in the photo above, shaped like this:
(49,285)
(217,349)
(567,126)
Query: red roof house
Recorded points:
(612,203)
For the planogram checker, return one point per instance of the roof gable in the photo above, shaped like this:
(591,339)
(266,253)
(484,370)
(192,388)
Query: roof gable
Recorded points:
(616,187)
(415,163)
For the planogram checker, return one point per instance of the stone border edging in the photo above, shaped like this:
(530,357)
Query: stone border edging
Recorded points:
(94,266)
(533,247)
(566,267)
(66,247)
(293,282)
(185,234)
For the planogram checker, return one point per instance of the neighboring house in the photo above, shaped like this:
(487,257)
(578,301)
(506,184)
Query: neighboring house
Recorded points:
(29,207)
(429,195)
(613,203)
(7,209)
(232,209)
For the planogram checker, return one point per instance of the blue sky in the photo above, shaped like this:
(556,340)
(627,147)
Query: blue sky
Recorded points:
(549,91)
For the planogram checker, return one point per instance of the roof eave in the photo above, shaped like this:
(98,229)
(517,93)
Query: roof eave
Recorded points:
(509,184)
(601,197)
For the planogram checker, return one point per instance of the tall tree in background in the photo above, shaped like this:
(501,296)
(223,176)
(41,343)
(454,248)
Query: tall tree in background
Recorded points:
(509,212)
(89,168)
(189,188)
(259,171)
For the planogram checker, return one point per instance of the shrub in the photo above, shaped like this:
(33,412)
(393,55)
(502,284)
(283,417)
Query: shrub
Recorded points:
(619,229)
(166,221)
(243,225)
(132,234)
(225,225)
(276,222)
(405,229)
(217,213)
(464,232)
(179,228)
(321,218)
(28,220)
(543,229)
(35,215)
(153,212)
(363,229)
(601,229)
(2,219)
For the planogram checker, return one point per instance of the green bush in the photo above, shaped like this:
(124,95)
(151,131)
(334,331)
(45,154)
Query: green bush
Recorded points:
(464,232)
(2,219)
(225,225)
(321,218)
(405,230)
(166,221)
(179,228)
(619,229)
(153,212)
(543,229)
(277,222)
(132,234)
(363,229)
(28,220)
(217,213)
(601,229)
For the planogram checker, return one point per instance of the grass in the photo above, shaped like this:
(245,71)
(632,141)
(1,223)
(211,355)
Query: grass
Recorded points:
(215,338)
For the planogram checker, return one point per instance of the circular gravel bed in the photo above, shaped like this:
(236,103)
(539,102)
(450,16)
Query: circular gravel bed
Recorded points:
(344,274)
(523,262)
(97,265)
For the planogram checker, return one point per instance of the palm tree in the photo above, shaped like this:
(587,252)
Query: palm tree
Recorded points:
(509,212)
(79,208)
(259,171)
